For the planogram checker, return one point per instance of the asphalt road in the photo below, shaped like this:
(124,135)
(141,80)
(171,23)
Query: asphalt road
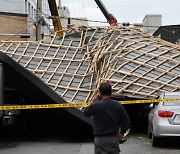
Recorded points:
(136,144)
(140,144)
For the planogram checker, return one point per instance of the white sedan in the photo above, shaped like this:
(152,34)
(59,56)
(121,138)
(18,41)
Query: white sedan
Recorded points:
(164,119)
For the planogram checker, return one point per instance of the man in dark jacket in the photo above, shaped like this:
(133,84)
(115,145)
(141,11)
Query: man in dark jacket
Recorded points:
(109,117)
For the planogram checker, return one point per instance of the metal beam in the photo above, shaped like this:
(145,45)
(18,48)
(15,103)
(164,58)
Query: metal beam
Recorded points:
(1,87)
(103,9)
(55,17)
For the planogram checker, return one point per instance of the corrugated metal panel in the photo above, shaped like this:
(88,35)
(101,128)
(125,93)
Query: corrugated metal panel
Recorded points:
(136,64)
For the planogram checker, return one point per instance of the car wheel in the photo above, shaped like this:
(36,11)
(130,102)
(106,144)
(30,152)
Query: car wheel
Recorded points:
(155,141)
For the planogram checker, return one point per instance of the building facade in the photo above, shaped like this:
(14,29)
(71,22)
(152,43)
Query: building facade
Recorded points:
(151,23)
(23,13)
(19,15)
(11,23)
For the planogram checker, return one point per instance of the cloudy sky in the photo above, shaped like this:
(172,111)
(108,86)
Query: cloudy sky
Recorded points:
(132,11)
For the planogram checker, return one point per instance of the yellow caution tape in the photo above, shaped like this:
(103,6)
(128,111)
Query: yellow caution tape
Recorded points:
(84,104)
(150,101)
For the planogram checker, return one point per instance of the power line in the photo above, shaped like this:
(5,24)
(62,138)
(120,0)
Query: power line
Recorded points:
(79,19)
(10,1)
(33,23)
(129,5)
(104,22)
(19,19)
(83,7)
(84,20)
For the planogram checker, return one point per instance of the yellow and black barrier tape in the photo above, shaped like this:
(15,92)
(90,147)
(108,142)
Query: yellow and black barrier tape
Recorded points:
(80,104)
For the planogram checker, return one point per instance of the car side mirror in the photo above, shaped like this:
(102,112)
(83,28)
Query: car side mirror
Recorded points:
(151,106)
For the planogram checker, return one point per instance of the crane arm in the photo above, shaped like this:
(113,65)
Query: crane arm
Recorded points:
(55,17)
(110,18)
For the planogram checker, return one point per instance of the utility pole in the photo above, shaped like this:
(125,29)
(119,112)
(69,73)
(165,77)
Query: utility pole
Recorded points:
(38,16)
(60,5)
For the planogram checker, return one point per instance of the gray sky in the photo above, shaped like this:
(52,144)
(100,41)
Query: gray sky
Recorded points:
(132,11)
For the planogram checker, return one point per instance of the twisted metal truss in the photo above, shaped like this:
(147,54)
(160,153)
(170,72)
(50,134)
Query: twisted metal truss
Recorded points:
(135,63)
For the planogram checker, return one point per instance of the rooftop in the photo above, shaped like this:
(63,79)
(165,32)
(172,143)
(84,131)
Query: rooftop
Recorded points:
(135,63)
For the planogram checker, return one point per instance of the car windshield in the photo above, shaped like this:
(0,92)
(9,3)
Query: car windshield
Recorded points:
(175,103)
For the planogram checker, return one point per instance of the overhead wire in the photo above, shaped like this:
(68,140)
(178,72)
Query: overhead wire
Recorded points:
(79,9)
(10,1)
(97,21)
(79,19)
(74,9)
(33,22)
(23,29)
(16,18)
(135,5)
(83,7)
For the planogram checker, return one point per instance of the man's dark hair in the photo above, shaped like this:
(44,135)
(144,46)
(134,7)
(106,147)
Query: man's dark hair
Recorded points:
(105,89)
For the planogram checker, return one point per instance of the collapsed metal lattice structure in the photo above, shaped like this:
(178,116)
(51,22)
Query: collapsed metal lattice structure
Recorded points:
(135,63)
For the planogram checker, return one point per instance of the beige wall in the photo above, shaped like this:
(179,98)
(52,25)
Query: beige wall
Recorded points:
(12,24)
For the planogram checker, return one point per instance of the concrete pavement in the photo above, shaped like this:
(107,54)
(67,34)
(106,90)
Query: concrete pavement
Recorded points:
(136,144)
